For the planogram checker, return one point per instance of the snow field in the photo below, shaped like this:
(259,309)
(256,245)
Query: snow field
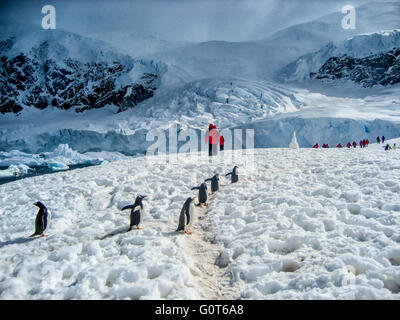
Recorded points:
(325,226)
(88,254)
(306,224)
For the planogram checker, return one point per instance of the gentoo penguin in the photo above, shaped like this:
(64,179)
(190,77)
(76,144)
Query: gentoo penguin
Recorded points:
(202,193)
(234,174)
(136,212)
(42,220)
(187,215)
(214,183)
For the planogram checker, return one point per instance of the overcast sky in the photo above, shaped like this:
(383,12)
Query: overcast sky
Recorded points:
(194,20)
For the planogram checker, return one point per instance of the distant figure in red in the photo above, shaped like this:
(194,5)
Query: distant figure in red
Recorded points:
(367,142)
(316,146)
(354,144)
(361,144)
(212,139)
(339,146)
(378,140)
(221,142)
(325,145)
(348,144)
(364,143)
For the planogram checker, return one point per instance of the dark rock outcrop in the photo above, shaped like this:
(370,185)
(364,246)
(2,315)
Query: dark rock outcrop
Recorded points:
(380,69)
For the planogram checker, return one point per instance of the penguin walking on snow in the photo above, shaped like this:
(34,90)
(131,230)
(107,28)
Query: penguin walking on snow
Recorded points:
(136,213)
(186,216)
(42,220)
(214,183)
(202,193)
(234,174)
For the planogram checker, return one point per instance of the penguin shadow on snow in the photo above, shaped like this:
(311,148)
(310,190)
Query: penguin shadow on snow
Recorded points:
(19,240)
(114,233)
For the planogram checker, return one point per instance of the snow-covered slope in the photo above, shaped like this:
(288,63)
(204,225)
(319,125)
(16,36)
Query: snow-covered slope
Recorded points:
(137,43)
(359,46)
(370,17)
(300,223)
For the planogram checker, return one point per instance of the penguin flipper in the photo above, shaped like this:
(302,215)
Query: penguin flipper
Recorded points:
(131,206)
(195,188)
(228,174)
(209,179)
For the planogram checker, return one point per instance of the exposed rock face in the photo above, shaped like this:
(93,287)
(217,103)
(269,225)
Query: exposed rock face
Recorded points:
(39,79)
(383,69)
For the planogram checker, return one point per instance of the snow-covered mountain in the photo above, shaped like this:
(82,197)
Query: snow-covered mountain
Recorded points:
(263,58)
(359,46)
(62,70)
(227,83)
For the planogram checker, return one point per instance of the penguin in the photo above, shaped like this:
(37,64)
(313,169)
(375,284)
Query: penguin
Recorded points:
(136,212)
(234,174)
(186,216)
(42,220)
(214,183)
(202,193)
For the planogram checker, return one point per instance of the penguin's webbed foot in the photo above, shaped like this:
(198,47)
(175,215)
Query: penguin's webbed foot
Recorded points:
(43,235)
(188,232)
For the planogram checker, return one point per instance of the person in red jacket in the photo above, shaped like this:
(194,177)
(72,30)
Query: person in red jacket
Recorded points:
(339,146)
(221,142)
(354,144)
(316,146)
(212,139)
(348,144)
(361,144)
(367,142)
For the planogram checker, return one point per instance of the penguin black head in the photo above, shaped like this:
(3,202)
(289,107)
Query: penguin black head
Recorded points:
(217,176)
(140,198)
(39,204)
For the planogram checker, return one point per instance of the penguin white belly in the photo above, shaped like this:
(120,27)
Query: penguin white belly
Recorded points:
(191,216)
(48,221)
(136,216)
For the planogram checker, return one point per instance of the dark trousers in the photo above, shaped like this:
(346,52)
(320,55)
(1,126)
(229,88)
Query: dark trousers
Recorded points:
(221,148)
(212,149)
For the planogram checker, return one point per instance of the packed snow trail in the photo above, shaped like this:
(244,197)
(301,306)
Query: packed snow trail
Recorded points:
(303,224)
(204,251)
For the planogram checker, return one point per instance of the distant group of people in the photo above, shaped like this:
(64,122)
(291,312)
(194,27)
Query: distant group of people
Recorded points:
(213,137)
(363,143)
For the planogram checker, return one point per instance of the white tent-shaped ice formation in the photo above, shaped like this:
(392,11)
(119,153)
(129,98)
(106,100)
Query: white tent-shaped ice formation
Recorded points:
(294,144)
